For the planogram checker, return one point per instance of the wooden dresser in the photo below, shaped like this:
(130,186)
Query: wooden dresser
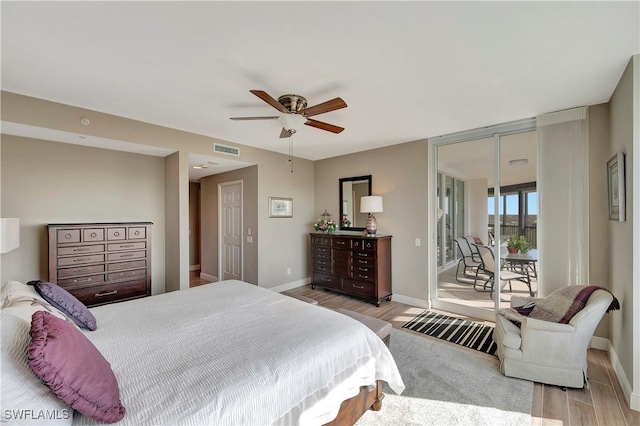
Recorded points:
(101,263)
(355,265)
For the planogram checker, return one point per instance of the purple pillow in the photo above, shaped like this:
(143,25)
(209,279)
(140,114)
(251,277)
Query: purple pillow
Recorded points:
(73,368)
(65,302)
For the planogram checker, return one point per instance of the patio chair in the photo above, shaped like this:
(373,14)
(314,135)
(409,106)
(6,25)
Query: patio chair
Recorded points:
(489,267)
(473,241)
(468,261)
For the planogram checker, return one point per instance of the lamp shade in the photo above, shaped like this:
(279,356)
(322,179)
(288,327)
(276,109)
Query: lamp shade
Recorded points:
(371,204)
(9,234)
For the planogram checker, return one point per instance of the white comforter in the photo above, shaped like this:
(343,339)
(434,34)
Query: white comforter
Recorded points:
(233,353)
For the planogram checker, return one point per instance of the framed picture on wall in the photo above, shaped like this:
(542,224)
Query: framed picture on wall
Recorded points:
(615,183)
(280,207)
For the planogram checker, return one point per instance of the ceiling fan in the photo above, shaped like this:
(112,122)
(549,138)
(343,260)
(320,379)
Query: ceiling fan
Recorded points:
(295,112)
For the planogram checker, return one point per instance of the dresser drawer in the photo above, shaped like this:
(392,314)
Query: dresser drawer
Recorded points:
(137,233)
(320,249)
(341,243)
(363,270)
(368,245)
(116,234)
(369,276)
(126,255)
(126,265)
(136,273)
(68,235)
(79,260)
(84,270)
(93,234)
(325,280)
(64,251)
(366,262)
(322,256)
(90,279)
(363,255)
(322,267)
(320,240)
(360,288)
(126,246)
(98,295)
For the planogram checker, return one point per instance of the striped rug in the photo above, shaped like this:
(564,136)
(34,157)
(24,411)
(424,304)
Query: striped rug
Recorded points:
(470,334)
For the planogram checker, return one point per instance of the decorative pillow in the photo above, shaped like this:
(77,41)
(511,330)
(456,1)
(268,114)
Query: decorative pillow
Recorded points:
(25,399)
(66,302)
(22,300)
(73,368)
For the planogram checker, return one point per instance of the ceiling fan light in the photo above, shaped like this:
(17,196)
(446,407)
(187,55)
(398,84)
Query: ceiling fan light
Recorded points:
(292,122)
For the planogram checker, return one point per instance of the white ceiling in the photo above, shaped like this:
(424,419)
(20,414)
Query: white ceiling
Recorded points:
(407,70)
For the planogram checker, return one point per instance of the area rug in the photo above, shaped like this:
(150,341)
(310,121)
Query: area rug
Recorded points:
(466,333)
(449,385)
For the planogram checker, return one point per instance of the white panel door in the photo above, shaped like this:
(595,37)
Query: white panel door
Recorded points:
(231,231)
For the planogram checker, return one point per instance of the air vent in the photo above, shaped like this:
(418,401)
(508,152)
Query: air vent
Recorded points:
(226,149)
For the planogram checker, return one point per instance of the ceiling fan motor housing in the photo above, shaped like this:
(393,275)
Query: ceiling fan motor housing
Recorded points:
(293,103)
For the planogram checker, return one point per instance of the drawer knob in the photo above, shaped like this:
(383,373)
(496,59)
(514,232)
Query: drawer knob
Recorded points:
(363,276)
(117,234)
(136,233)
(93,235)
(362,261)
(107,293)
(82,249)
(361,287)
(326,279)
(67,236)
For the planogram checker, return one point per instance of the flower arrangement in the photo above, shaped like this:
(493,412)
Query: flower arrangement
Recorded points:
(325,225)
(346,223)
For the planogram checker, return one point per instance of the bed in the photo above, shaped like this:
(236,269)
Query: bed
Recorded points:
(234,353)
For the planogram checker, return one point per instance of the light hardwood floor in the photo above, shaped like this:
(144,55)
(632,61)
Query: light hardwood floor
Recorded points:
(602,404)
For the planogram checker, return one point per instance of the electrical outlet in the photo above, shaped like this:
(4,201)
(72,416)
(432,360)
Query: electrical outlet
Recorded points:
(288,271)
(249,239)
(418,242)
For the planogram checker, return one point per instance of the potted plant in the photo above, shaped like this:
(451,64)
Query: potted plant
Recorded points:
(515,244)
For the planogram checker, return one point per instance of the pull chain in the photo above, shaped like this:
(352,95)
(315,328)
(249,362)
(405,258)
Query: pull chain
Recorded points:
(291,151)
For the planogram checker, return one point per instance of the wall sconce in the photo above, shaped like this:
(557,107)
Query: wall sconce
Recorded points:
(9,234)
(371,204)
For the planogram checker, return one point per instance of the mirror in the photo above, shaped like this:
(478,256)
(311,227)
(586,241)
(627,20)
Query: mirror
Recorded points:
(351,189)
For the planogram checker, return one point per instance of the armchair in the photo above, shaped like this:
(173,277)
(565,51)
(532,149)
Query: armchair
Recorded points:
(550,352)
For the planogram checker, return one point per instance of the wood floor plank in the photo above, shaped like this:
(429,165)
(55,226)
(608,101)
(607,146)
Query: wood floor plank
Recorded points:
(536,405)
(606,403)
(581,414)
(582,395)
(554,406)
(597,370)
(631,416)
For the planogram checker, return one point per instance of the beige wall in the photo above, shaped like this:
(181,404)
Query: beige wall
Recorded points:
(194,224)
(49,182)
(477,213)
(399,175)
(281,244)
(209,221)
(621,234)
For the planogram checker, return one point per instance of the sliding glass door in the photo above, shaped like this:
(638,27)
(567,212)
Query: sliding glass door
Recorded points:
(484,189)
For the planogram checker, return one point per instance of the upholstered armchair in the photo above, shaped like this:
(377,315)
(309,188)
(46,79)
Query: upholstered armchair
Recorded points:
(550,352)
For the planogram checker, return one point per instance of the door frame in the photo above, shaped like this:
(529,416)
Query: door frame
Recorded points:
(495,132)
(220,221)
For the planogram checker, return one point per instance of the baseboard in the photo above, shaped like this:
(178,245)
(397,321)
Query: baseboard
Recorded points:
(194,268)
(410,301)
(289,286)
(600,343)
(208,277)
(632,397)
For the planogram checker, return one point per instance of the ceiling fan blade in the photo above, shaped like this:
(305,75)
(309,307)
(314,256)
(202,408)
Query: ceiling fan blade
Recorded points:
(271,117)
(268,99)
(285,133)
(332,105)
(324,126)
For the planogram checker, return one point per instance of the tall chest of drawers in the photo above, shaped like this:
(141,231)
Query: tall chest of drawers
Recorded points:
(355,265)
(101,263)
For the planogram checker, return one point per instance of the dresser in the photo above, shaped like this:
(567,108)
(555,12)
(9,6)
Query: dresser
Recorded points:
(101,263)
(355,265)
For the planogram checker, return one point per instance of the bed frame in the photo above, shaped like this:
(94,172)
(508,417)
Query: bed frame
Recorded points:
(353,408)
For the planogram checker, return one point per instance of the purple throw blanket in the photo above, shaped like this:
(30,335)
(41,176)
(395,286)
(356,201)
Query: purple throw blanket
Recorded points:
(560,306)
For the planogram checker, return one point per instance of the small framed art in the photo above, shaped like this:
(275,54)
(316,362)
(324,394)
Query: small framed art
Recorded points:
(280,207)
(615,183)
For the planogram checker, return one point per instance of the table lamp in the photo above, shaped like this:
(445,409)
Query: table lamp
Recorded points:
(371,204)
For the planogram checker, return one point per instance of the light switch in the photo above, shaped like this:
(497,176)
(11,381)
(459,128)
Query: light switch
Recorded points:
(418,242)
(248,231)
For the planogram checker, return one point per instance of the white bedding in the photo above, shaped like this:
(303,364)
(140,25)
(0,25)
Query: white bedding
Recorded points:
(234,353)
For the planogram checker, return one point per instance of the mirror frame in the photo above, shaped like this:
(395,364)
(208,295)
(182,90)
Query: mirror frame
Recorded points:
(352,179)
